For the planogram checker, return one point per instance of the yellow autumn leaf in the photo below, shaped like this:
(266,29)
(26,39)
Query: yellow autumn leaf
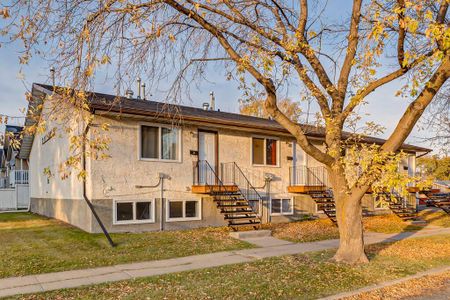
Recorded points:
(105,60)
(5,13)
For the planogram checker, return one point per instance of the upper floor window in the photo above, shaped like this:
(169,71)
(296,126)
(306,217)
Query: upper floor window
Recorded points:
(265,151)
(160,143)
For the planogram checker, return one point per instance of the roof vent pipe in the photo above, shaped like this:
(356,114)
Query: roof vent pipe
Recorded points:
(143,91)
(139,88)
(52,74)
(129,93)
(205,106)
(212,101)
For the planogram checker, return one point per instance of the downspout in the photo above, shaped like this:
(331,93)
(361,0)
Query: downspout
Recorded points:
(161,209)
(267,180)
(88,202)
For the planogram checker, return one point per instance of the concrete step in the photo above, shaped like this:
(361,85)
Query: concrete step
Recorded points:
(250,234)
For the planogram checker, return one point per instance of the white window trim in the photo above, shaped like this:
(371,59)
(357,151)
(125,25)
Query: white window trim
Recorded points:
(134,221)
(184,219)
(179,148)
(282,213)
(265,140)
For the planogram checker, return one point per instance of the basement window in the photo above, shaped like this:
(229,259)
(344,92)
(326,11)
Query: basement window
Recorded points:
(183,210)
(282,207)
(159,143)
(133,211)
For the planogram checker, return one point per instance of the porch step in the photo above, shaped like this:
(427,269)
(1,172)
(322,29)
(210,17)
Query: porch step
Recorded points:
(233,206)
(325,202)
(242,218)
(236,212)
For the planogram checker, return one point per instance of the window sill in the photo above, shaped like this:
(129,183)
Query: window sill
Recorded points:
(159,160)
(183,219)
(133,222)
(266,166)
(281,214)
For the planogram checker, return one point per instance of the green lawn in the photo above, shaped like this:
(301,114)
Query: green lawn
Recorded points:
(32,244)
(307,276)
(323,229)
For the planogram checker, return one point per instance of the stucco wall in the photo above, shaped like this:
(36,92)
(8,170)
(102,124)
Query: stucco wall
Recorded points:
(51,153)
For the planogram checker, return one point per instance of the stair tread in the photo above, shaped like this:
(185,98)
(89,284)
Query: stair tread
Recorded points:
(254,217)
(233,206)
(244,223)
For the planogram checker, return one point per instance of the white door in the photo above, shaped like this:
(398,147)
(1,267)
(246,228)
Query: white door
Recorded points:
(207,151)
(299,162)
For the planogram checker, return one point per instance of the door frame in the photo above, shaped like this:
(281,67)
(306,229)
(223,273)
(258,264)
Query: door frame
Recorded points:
(216,133)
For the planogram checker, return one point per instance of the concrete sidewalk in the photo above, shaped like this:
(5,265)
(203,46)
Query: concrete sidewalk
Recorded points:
(271,247)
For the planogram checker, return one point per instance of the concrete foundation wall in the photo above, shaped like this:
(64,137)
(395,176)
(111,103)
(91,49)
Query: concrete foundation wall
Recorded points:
(210,216)
(72,211)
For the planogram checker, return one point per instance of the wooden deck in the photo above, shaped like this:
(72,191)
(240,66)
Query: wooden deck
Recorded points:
(303,189)
(413,189)
(208,189)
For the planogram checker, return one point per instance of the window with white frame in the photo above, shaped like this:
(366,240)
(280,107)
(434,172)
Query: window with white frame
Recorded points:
(183,210)
(159,143)
(264,151)
(282,207)
(133,211)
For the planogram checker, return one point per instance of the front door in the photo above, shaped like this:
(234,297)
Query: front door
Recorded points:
(207,152)
(298,171)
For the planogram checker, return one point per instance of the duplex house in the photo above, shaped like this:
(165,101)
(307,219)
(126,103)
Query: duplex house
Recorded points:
(178,167)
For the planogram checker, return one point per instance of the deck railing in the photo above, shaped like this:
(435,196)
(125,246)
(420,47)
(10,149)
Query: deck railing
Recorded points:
(18,177)
(308,176)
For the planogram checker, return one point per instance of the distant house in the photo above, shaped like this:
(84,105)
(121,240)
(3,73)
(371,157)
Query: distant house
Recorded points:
(442,185)
(217,169)
(13,172)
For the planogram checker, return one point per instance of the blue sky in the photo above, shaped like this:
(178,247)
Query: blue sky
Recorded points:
(383,107)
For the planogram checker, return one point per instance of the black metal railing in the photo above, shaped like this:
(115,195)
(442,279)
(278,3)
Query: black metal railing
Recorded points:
(308,176)
(204,174)
(232,174)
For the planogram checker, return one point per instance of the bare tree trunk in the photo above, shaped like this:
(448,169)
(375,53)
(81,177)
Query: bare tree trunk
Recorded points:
(349,218)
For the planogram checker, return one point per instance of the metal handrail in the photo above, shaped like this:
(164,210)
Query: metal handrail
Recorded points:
(242,184)
(303,174)
(218,181)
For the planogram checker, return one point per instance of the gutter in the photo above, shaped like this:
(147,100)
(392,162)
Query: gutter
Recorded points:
(426,152)
(88,202)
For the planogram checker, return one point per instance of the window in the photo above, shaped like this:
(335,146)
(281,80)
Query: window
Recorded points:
(133,211)
(183,210)
(159,143)
(282,207)
(265,151)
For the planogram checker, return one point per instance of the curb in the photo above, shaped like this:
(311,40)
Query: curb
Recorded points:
(386,284)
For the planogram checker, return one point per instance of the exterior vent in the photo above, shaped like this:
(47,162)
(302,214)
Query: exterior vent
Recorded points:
(129,94)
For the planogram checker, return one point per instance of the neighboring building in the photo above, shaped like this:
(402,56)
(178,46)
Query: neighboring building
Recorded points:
(13,172)
(209,150)
(442,185)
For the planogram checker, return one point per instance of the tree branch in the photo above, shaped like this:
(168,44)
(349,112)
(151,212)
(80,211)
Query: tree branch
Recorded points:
(352,45)
(417,107)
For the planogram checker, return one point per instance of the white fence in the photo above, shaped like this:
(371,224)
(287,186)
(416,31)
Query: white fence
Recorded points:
(15,177)
(18,177)
(15,198)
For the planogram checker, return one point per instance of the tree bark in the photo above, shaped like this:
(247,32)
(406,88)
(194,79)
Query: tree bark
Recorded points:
(349,218)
